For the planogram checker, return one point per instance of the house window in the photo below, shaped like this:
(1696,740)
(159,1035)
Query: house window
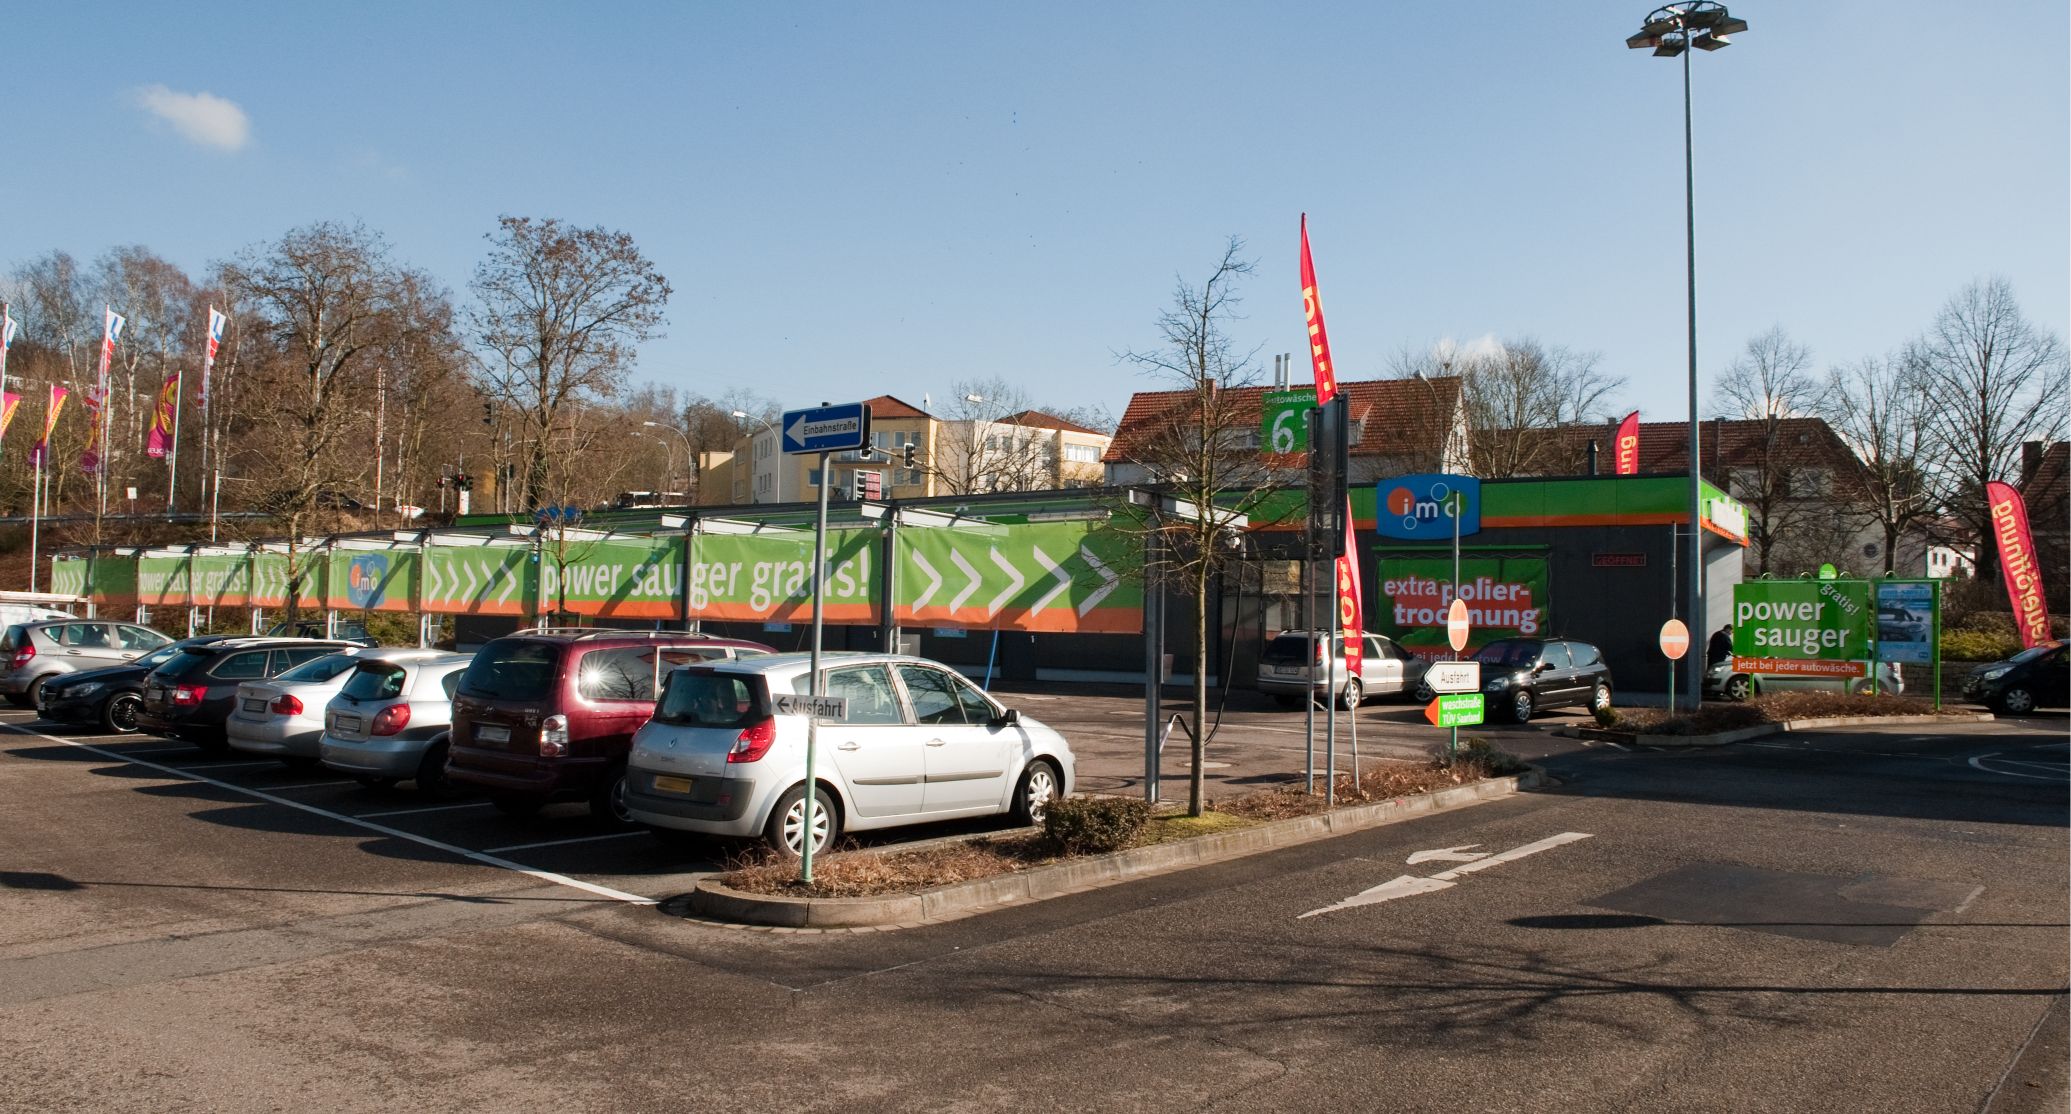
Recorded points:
(1083,454)
(812,477)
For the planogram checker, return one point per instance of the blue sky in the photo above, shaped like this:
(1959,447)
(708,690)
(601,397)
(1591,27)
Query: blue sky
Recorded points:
(853,199)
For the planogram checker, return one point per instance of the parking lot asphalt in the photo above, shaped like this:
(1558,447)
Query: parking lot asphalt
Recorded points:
(1850,919)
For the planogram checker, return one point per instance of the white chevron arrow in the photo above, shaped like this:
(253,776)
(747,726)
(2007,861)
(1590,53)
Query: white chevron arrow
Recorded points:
(1006,593)
(510,584)
(1056,570)
(1112,581)
(432,589)
(957,559)
(474,582)
(934,581)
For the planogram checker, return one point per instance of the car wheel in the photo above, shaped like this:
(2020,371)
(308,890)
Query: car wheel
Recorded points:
(1039,786)
(1354,692)
(785,832)
(1600,697)
(32,698)
(2016,701)
(1423,693)
(608,800)
(374,781)
(119,714)
(1737,688)
(1521,705)
(431,772)
(517,806)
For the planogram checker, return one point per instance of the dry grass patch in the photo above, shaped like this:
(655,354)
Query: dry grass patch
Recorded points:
(1779,707)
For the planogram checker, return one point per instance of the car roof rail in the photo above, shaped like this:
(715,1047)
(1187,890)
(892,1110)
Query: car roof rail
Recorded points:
(608,632)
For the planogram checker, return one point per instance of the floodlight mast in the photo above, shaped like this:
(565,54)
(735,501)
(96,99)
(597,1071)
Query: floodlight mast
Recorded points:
(1671,30)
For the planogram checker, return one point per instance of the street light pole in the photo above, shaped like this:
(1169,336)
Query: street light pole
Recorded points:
(1671,30)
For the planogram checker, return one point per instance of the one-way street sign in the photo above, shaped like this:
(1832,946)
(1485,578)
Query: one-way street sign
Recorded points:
(827,429)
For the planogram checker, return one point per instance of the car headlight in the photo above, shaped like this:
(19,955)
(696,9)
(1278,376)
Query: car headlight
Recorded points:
(87,689)
(1496,685)
(1995,674)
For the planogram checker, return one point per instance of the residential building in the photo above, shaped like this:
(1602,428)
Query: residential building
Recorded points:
(2046,490)
(1026,451)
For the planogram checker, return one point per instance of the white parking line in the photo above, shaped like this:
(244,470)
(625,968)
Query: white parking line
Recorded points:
(560,842)
(396,833)
(427,808)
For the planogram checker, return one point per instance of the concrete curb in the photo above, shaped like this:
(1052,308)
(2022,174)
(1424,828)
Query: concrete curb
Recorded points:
(1670,742)
(963,899)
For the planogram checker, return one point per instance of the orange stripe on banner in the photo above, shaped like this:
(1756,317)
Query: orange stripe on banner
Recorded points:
(846,614)
(1103,620)
(626,609)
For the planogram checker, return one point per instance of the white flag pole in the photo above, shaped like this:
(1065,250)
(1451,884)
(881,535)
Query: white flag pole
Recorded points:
(172,460)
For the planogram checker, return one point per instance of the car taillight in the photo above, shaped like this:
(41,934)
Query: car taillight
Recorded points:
(553,737)
(390,720)
(287,706)
(1319,653)
(189,695)
(21,657)
(753,742)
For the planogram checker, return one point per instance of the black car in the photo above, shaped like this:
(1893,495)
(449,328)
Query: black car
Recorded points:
(349,630)
(2037,677)
(190,696)
(109,697)
(1522,675)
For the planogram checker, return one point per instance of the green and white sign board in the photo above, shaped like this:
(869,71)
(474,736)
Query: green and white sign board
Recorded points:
(1459,709)
(1809,627)
(1283,420)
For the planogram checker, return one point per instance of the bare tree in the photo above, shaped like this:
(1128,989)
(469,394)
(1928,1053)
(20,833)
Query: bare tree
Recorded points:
(157,298)
(1994,381)
(1201,448)
(1880,408)
(1516,395)
(1785,485)
(561,309)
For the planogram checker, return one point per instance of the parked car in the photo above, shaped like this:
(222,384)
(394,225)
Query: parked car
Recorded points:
(1519,676)
(109,697)
(1902,624)
(549,713)
(392,720)
(2037,677)
(13,613)
(49,648)
(1290,670)
(190,696)
(1722,682)
(284,718)
(349,630)
(919,743)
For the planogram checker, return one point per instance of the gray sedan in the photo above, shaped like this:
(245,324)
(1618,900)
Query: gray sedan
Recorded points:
(391,719)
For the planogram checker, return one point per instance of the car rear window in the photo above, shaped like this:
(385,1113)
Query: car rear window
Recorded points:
(375,680)
(245,665)
(1287,648)
(512,669)
(183,663)
(704,698)
(15,636)
(318,670)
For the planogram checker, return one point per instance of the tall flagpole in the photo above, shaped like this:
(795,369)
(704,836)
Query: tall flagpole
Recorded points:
(35,518)
(172,460)
(6,336)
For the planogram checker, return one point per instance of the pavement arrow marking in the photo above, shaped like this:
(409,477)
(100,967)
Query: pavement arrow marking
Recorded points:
(956,558)
(1459,854)
(1056,570)
(934,580)
(1006,593)
(1406,885)
(1093,598)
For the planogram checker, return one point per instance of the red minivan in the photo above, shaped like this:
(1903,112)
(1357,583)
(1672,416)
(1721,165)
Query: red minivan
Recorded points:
(549,713)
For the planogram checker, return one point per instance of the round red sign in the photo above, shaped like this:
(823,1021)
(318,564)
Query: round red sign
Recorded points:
(1456,625)
(1675,639)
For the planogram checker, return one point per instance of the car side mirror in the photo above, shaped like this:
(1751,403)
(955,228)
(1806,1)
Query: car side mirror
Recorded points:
(1009,718)
(1542,667)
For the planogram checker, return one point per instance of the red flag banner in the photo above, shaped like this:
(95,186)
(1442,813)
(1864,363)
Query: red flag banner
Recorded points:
(9,403)
(162,419)
(1351,603)
(50,422)
(1628,445)
(1312,312)
(2017,567)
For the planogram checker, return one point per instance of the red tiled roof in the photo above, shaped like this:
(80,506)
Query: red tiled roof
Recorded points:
(885,406)
(1725,444)
(1396,416)
(1038,419)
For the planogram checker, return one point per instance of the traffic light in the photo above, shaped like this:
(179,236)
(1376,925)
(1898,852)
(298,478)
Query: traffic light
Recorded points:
(488,413)
(910,447)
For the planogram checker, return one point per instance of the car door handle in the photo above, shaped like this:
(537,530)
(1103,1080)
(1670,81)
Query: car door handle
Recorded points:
(937,742)
(849,746)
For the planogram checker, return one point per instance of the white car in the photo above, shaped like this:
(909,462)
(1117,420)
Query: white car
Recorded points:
(284,718)
(919,743)
(1722,681)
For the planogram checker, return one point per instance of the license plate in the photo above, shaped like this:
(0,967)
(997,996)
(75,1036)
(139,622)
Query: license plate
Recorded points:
(665,784)
(491,733)
(251,705)
(345,723)
(1288,670)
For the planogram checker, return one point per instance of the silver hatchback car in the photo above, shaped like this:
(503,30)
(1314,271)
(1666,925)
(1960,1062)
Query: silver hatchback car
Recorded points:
(41,650)
(391,719)
(284,717)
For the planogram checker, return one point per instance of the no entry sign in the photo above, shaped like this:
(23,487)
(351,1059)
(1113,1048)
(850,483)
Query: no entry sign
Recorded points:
(1456,625)
(1675,639)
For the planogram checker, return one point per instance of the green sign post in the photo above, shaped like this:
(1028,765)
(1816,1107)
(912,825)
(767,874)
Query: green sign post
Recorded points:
(1282,425)
(1455,709)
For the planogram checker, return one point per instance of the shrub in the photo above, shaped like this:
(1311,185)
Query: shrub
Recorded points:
(1976,645)
(1478,753)
(1606,716)
(1094,825)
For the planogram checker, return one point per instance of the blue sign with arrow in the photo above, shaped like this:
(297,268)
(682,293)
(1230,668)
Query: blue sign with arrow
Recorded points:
(827,429)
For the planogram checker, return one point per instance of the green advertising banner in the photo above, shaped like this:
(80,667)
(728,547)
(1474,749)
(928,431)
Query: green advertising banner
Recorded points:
(1037,576)
(222,580)
(613,579)
(1283,420)
(766,578)
(372,579)
(480,579)
(112,580)
(269,580)
(1819,628)
(1507,597)
(162,581)
(68,575)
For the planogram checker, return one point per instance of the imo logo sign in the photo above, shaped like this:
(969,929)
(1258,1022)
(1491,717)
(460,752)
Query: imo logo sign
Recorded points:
(366,579)
(1420,508)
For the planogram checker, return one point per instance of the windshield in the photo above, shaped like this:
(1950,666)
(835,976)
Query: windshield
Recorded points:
(318,670)
(1508,651)
(701,698)
(512,669)
(157,657)
(189,659)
